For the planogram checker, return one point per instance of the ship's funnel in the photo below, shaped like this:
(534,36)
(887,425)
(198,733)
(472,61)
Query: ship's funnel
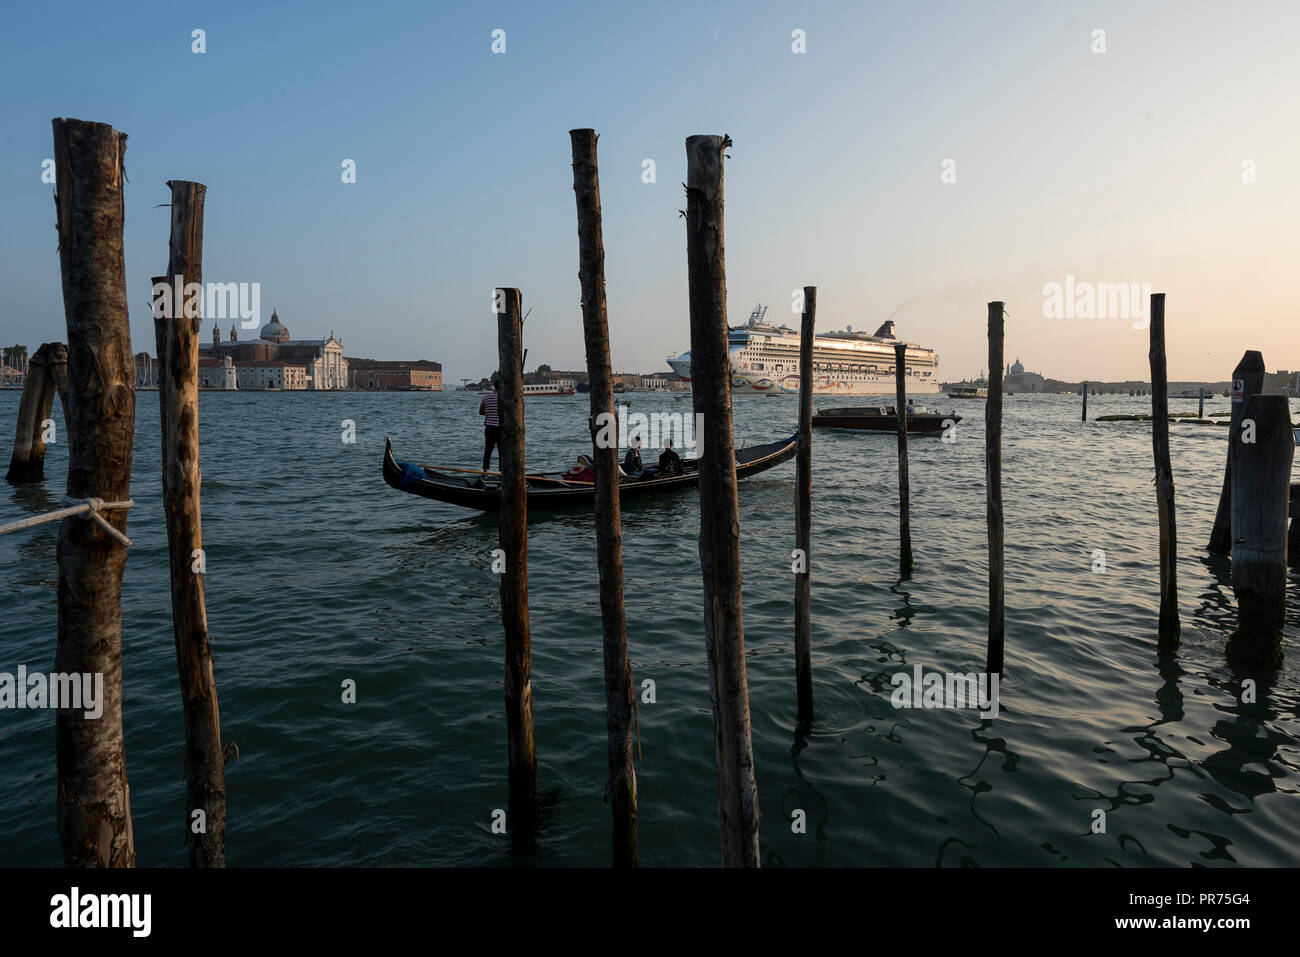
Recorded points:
(886,330)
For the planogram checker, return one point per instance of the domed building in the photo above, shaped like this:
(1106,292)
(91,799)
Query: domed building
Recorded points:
(274,331)
(274,360)
(1018,380)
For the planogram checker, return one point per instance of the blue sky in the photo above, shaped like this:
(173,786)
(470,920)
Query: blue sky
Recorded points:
(1122,166)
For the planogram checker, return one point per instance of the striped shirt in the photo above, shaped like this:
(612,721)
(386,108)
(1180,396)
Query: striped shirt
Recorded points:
(493,418)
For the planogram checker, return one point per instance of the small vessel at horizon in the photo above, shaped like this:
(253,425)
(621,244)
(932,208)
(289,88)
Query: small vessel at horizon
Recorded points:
(547,388)
(884,418)
(765,360)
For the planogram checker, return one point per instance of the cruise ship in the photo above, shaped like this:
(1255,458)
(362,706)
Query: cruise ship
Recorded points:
(765,359)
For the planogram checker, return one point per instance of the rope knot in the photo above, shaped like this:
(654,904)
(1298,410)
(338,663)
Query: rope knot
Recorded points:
(84,507)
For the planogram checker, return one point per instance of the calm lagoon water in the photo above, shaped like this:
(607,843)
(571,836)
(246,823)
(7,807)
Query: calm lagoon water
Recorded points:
(318,572)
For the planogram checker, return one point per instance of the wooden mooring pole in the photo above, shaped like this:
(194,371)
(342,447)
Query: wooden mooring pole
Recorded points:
(904,487)
(803,516)
(1261,488)
(178,403)
(94,801)
(619,689)
(1247,380)
(47,373)
(1169,626)
(1200,402)
(1293,535)
(993,493)
(1085,402)
(724,632)
(513,539)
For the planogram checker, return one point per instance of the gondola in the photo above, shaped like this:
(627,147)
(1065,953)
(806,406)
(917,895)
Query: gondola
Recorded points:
(868,418)
(551,490)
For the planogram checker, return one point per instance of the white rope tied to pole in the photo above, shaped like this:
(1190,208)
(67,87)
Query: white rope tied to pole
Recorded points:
(87,508)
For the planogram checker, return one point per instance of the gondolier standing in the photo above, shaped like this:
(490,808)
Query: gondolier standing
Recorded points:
(489,408)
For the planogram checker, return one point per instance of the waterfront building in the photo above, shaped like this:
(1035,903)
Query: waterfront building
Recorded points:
(400,375)
(664,382)
(270,374)
(322,361)
(1018,380)
(218,374)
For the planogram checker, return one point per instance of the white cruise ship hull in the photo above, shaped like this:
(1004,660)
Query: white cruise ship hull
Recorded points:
(764,361)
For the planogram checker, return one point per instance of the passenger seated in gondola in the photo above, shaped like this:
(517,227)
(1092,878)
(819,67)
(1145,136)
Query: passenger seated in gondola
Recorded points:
(632,461)
(670,463)
(583,471)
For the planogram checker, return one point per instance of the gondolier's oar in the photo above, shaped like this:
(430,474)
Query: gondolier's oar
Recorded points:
(539,478)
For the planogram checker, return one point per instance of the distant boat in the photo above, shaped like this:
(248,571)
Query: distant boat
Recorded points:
(765,359)
(969,392)
(1191,394)
(546,388)
(884,418)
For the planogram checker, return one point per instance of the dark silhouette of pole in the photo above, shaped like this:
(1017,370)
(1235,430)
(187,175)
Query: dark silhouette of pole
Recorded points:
(1085,402)
(904,490)
(1261,489)
(619,690)
(1247,380)
(47,373)
(993,492)
(803,515)
(1169,625)
(724,632)
(512,527)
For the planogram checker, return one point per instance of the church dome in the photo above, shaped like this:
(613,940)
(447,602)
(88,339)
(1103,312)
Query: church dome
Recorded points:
(274,331)
(1016,369)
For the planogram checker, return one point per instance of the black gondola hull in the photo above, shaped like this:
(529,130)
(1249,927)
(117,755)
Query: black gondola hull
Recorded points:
(552,494)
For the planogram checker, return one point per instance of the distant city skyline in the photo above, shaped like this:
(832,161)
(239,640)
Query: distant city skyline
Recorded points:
(912,161)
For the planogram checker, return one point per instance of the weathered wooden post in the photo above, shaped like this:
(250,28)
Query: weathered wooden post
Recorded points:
(993,493)
(1261,488)
(619,690)
(1293,536)
(1247,380)
(160,323)
(47,373)
(1169,626)
(513,539)
(1200,402)
(904,490)
(724,632)
(803,516)
(1085,402)
(178,403)
(94,800)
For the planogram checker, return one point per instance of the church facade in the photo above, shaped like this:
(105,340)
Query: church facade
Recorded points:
(320,360)
(1018,380)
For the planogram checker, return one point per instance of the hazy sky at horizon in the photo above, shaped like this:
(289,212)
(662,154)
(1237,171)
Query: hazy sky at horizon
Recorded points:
(1122,166)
